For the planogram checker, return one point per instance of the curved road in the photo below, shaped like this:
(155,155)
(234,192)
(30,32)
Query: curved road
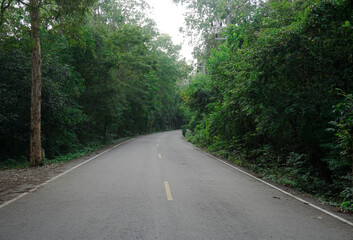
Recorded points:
(160,187)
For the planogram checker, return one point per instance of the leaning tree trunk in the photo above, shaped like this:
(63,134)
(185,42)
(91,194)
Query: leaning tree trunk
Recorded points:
(36,93)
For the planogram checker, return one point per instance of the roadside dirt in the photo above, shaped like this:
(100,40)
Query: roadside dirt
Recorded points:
(13,182)
(17,181)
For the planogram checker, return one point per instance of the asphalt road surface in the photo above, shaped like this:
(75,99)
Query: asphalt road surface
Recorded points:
(160,187)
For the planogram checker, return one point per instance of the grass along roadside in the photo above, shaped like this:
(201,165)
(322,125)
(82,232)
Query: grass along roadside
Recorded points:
(22,162)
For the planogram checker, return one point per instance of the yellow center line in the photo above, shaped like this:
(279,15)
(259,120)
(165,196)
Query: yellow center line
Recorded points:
(159,155)
(167,191)
(157,144)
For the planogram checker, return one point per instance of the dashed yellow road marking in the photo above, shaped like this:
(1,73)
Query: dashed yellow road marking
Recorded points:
(157,144)
(167,191)
(159,155)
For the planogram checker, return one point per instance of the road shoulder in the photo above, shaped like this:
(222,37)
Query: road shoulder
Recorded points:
(14,182)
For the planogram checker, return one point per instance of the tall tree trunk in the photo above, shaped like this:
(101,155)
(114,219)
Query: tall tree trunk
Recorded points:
(36,93)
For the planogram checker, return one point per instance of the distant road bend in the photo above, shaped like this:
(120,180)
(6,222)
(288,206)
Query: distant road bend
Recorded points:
(160,187)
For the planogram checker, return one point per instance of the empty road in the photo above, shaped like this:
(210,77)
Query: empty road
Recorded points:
(160,187)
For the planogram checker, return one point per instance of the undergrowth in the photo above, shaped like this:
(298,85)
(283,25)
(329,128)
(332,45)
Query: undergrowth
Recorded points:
(23,162)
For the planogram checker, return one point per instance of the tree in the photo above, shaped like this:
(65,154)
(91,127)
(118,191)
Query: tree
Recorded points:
(206,18)
(36,92)
(55,10)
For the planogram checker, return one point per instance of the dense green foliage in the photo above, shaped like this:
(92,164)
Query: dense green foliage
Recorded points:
(111,77)
(277,96)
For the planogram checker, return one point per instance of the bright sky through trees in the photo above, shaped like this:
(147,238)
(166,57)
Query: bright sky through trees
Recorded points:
(169,18)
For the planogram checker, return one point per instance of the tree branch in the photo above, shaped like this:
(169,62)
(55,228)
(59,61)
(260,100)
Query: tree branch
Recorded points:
(26,4)
(3,8)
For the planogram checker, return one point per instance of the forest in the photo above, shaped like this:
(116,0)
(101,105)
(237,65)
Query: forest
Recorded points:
(272,89)
(277,94)
(107,73)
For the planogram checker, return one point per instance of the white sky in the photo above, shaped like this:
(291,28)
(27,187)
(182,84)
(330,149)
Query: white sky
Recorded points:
(169,18)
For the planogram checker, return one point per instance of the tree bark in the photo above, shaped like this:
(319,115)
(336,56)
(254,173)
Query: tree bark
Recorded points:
(36,92)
